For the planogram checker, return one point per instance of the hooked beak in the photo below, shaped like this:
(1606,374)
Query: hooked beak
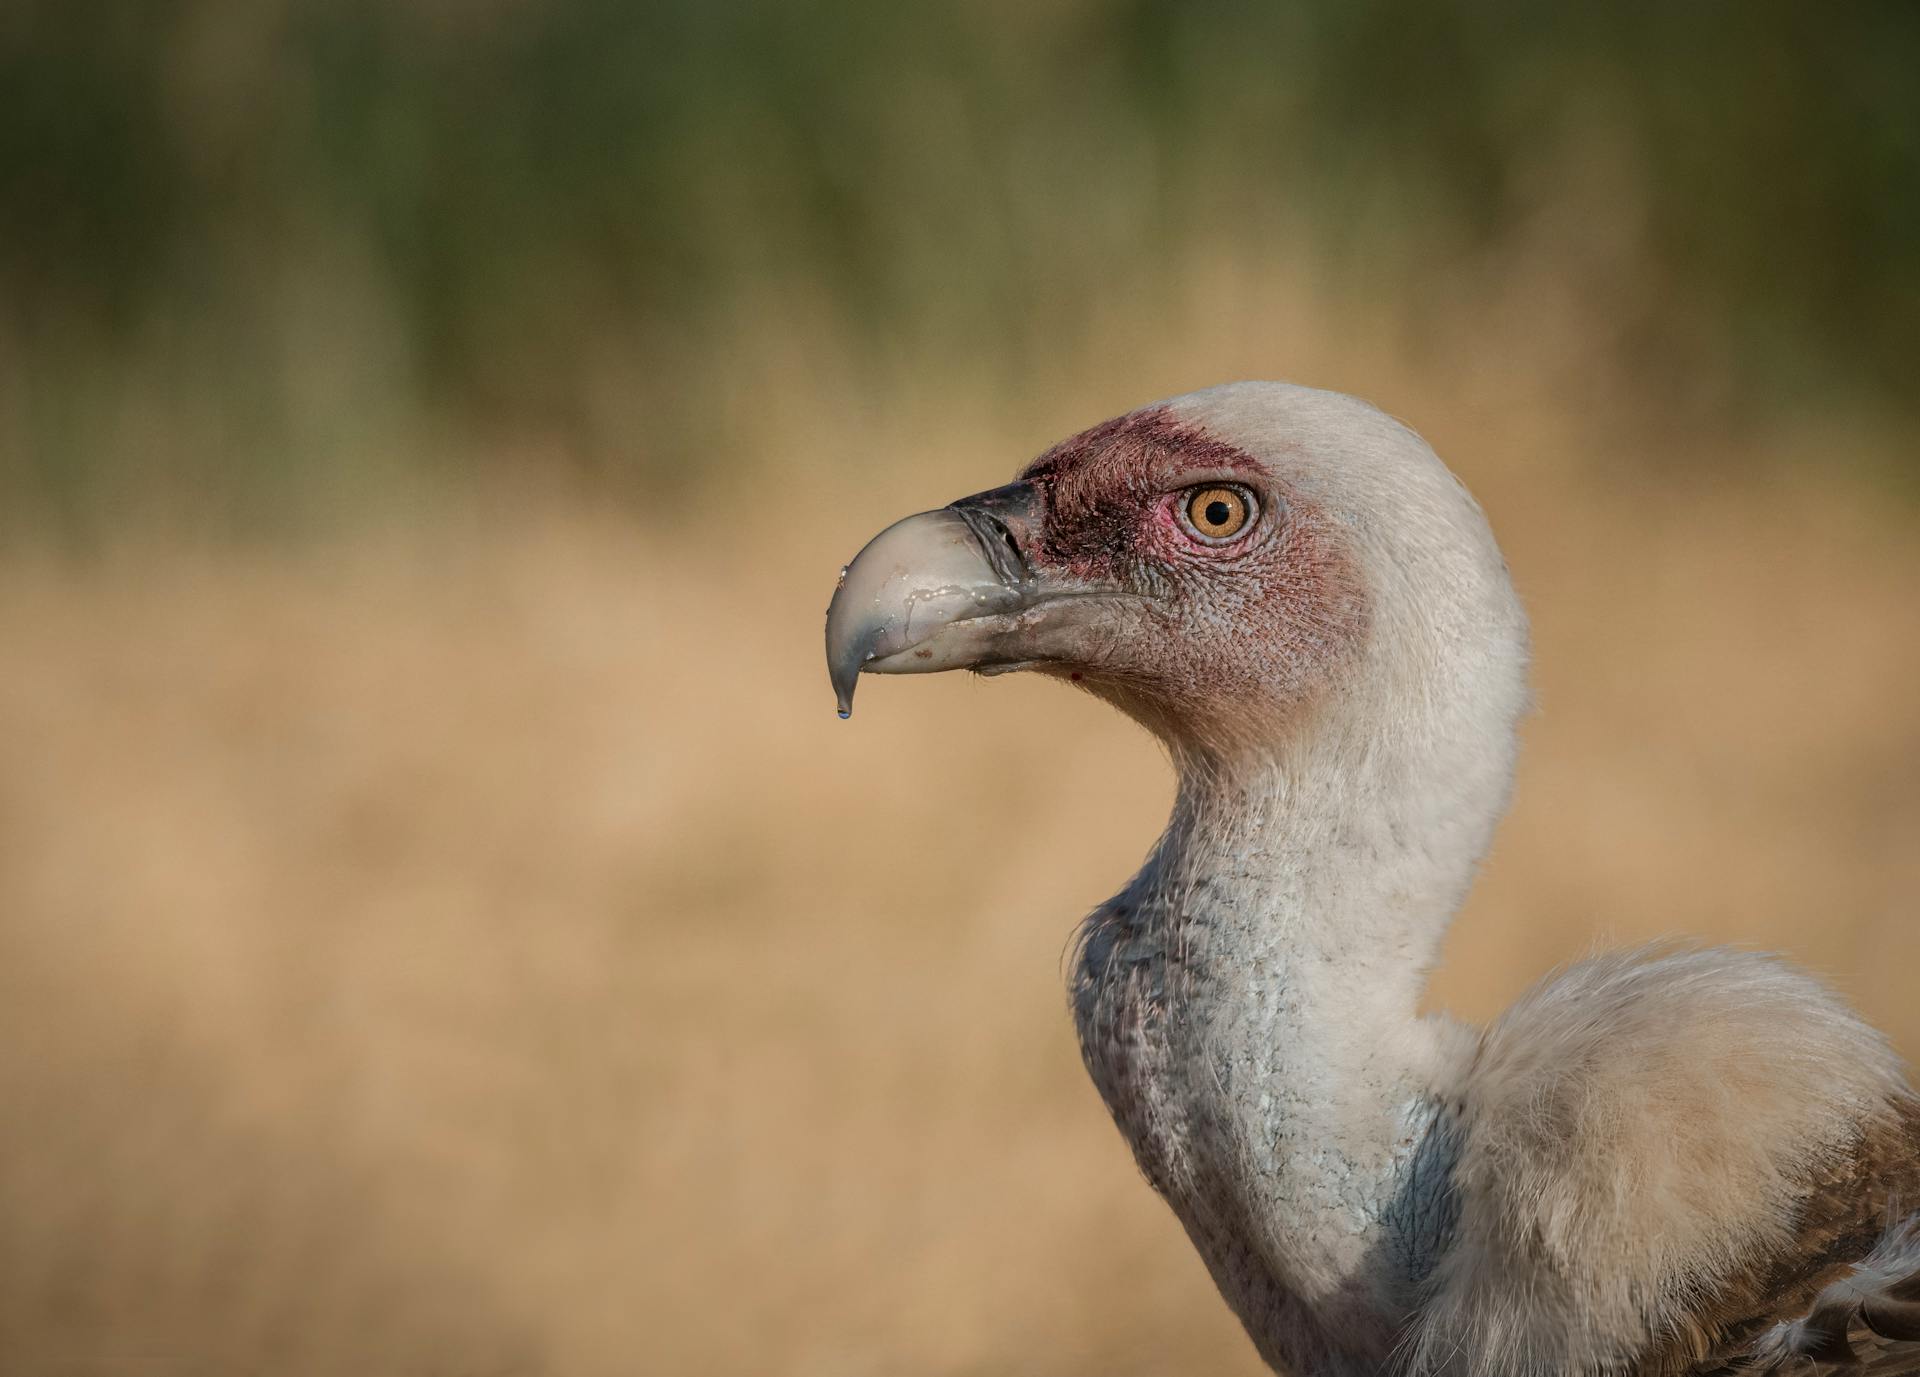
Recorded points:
(946,589)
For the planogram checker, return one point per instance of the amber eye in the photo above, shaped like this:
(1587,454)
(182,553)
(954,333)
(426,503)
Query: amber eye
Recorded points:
(1217,512)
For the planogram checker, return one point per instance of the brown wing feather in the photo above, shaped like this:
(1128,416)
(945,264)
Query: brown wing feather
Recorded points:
(1845,1297)
(1866,1322)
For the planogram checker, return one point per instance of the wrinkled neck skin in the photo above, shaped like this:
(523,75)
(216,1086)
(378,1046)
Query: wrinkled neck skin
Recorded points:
(1248,1006)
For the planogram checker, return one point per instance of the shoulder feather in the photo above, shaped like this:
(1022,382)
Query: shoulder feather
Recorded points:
(1638,1132)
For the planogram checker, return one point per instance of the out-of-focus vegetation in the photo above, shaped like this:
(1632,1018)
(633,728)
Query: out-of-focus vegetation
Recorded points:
(256,253)
(463,940)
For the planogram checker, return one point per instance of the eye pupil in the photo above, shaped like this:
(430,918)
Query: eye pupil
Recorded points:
(1217,512)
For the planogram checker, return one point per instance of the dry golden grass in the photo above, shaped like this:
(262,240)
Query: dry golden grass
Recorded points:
(478,949)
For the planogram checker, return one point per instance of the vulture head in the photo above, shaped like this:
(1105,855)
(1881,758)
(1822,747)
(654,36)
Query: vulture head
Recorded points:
(1638,1168)
(1223,566)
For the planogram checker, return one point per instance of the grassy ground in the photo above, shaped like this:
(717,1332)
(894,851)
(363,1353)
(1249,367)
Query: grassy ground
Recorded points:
(474,947)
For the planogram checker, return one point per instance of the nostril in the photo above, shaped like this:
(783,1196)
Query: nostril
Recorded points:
(997,543)
(1013,546)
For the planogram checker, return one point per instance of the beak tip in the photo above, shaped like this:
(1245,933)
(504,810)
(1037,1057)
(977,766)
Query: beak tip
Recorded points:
(845,677)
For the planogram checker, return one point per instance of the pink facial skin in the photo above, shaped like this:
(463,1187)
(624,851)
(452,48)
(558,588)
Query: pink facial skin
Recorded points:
(1238,631)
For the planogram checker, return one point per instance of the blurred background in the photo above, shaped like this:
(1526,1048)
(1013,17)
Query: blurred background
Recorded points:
(443,927)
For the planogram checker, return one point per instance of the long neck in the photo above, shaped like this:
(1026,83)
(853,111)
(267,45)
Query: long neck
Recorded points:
(1291,913)
(1341,856)
(1313,883)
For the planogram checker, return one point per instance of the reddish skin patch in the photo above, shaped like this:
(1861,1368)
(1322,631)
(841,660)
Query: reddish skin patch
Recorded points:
(1097,481)
(1238,630)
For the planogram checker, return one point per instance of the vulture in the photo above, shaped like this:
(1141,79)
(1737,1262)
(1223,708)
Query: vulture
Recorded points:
(1666,1161)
